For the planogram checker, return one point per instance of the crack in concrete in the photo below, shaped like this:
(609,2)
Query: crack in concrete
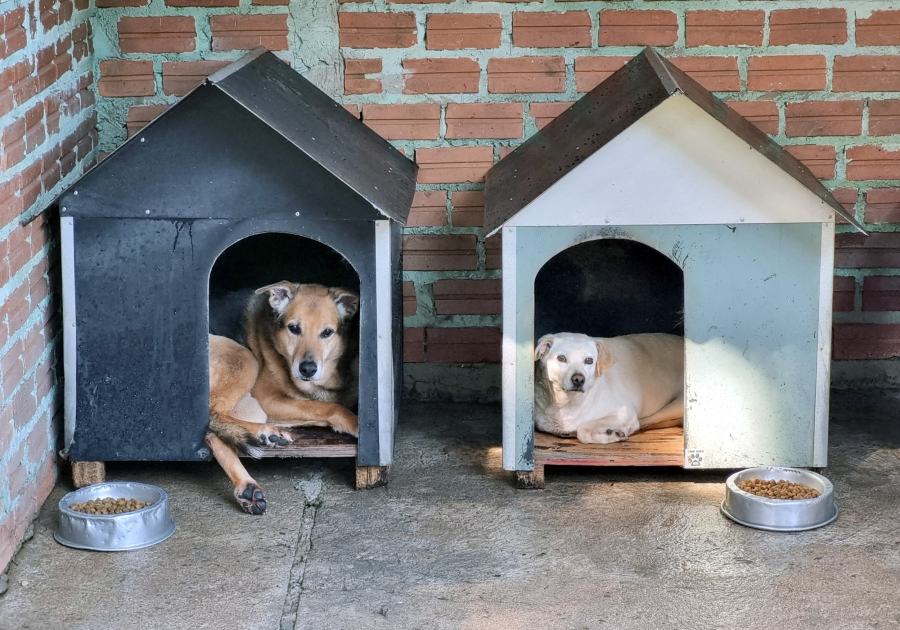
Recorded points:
(312,489)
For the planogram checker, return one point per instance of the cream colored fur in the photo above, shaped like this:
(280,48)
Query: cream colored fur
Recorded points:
(603,390)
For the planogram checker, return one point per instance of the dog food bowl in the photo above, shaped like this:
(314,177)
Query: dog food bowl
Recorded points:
(779,515)
(115,532)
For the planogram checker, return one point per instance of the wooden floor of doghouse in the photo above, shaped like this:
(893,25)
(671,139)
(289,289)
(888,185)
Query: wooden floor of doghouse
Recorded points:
(657,447)
(315,442)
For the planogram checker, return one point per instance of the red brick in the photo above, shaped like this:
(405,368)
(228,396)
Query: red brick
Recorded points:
(202,3)
(824,118)
(463,345)
(16,471)
(544,113)
(439,252)
(591,71)
(526,74)
(404,122)
(356,80)
(844,290)
(245,32)
(180,77)
(716,74)
(413,345)
(571,29)
(856,251)
(429,208)
(457,31)
(485,120)
(280,3)
(883,205)
(881,28)
(872,162)
(881,293)
(786,73)
(847,197)
(763,114)
(865,341)
(807,26)
(724,28)
(866,73)
(157,34)
(493,252)
(440,76)
(820,159)
(884,118)
(377,30)
(410,306)
(448,165)
(468,297)
(126,78)
(139,116)
(468,208)
(638,28)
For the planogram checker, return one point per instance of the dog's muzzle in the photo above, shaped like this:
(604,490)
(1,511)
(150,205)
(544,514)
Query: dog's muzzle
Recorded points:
(577,383)
(307,370)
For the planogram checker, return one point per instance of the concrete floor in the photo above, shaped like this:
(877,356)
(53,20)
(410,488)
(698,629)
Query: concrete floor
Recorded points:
(451,544)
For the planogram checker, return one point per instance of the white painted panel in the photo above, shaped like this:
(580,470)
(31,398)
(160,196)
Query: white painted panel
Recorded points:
(675,166)
(823,383)
(67,249)
(510,309)
(384,344)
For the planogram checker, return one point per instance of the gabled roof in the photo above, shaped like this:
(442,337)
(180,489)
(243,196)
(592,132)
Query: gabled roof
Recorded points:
(302,146)
(603,114)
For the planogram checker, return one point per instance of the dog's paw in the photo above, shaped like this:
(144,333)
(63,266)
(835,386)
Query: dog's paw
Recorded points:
(601,435)
(347,422)
(251,498)
(272,436)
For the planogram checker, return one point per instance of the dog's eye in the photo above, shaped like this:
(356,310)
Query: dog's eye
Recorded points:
(294,328)
(562,358)
(589,361)
(325,334)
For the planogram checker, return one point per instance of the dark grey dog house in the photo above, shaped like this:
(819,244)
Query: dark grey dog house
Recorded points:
(651,206)
(254,177)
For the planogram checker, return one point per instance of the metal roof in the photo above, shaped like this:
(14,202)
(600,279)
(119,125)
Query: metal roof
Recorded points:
(604,113)
(262,141)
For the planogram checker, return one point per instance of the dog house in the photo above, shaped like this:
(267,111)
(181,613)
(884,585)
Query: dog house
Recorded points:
(651,206)
(254,177)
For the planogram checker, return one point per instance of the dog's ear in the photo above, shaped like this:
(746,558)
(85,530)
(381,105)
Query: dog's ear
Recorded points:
(280,294)
(543,347)
(347,302)
(605,358)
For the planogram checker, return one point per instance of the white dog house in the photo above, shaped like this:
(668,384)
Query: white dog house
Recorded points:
(651,206)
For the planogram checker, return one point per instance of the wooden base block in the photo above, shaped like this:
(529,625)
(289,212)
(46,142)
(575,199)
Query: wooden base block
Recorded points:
(656,447)
(316,442)
(88,473)
(371,476)
(531,479)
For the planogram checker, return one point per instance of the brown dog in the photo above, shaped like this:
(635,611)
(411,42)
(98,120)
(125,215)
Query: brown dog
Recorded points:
(301,369)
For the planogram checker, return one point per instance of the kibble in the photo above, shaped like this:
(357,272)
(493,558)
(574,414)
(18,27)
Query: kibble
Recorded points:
(780,489)
(110,505)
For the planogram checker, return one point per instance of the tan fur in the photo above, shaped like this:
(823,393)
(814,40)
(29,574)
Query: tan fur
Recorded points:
(257,393)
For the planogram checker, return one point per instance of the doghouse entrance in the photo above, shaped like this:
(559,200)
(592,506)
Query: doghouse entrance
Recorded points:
(265,259)
(606,288)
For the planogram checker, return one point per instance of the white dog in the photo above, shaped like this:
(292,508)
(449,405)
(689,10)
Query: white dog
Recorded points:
(604,389)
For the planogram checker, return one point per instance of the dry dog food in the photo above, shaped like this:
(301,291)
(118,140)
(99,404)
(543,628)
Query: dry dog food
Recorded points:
(109,506)
(780,489)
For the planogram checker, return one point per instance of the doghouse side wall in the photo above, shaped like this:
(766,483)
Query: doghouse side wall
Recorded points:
(751,337)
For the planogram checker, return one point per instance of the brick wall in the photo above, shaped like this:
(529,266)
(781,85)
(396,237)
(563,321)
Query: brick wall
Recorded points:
(457,84)
(47,139)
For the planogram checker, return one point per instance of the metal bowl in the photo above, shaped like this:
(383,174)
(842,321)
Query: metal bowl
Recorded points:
(779,515)
(115,532)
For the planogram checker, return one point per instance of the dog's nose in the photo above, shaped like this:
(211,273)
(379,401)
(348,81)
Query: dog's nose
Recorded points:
(578,380)
(308,368)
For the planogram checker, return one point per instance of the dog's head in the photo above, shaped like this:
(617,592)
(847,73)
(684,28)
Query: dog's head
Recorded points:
(571,361)
(311,322)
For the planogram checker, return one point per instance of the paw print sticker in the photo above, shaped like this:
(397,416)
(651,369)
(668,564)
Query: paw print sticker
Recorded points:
(694,457)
